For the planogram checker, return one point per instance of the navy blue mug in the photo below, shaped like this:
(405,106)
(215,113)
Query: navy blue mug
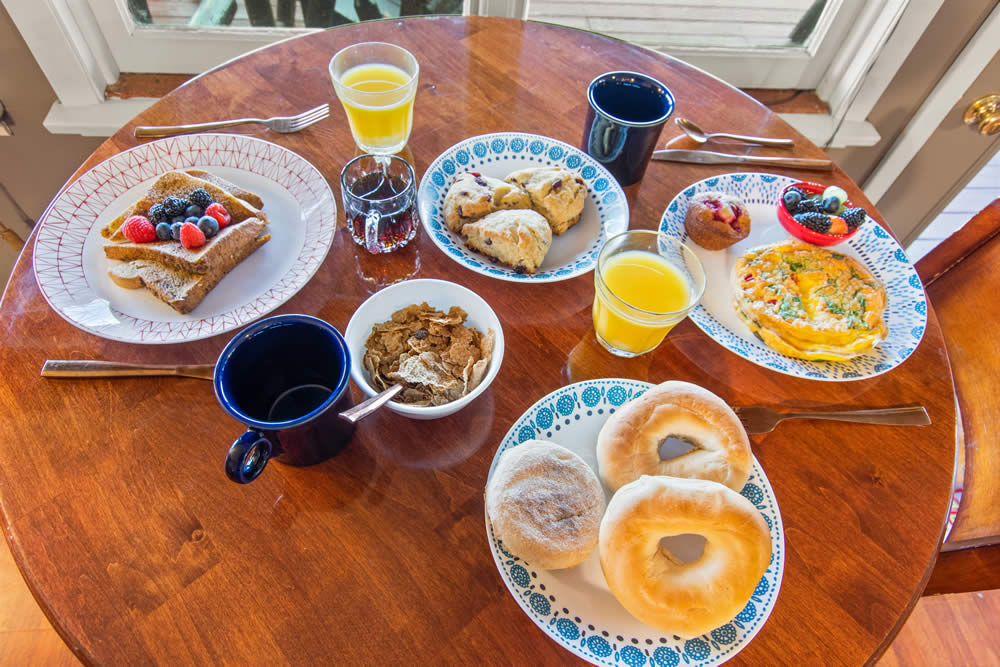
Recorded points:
(285,378)
(626,113)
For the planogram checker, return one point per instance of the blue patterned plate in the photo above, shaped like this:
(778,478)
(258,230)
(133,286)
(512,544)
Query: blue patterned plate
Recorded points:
(573,253)
(575,607)
(873,246)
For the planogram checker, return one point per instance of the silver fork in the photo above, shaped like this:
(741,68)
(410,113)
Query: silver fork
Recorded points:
(758,419)
(283,124)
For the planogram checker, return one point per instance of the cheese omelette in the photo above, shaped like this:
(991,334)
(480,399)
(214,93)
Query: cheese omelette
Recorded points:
(809,302)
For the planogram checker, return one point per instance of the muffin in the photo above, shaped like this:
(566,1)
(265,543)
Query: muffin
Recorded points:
(518,238)
(557,194)
(473,196)
(716,220)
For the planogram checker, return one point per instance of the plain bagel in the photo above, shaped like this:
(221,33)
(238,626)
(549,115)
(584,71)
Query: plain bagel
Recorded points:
(685,599)
(545,504)
(628,445)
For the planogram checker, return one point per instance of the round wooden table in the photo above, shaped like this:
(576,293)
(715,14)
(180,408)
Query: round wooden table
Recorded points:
(139,550)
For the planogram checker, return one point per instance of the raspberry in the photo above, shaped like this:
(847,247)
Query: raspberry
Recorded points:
(138,229)
(218,211)
(191,236)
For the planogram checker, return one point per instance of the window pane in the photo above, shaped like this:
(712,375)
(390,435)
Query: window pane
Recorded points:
(279,13)
(665,23)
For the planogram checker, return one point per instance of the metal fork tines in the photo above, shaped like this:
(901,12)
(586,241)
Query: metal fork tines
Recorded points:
(283,124)
(758,419)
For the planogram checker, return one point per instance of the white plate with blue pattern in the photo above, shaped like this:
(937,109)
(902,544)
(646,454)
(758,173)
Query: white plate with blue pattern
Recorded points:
(574,252)
(873,246)
(574,607)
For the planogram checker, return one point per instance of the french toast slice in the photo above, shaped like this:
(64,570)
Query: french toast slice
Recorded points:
(180,184)
(217,251)
(181,289)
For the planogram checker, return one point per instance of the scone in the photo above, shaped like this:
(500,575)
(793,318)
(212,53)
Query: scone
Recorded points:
(716,220)
(518,238)
(557,194)
(473,196)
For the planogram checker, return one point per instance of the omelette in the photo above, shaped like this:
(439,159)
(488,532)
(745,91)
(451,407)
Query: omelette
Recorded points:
(809,302)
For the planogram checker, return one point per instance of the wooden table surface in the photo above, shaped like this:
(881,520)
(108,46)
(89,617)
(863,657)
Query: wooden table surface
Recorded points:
(138,548)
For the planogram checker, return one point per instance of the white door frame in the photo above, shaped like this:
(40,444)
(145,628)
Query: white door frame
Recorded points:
(949,90)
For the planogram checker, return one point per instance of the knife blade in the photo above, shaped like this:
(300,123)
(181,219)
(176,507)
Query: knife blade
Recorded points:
(710,157)
(72,368)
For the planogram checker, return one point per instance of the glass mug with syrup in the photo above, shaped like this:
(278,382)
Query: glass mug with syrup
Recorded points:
(380,202)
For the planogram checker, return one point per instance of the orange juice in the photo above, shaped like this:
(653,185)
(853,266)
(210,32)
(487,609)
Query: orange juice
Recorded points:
(379,104)
(644,281)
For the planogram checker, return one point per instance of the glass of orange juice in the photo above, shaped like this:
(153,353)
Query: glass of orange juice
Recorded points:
(376,82)
(645,283)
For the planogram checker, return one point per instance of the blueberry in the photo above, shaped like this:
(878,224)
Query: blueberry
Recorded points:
(175,230)
(177,219)
(157,214)
(194,211)
(193,219)
(163,231)
(792,198)
(175,206)
(830,205)
(200,198)
(209,226)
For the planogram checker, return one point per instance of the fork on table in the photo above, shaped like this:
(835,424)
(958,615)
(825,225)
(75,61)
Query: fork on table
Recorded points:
(758,419)
(283,124)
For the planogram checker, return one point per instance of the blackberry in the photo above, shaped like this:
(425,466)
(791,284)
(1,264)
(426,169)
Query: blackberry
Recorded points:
(157,213)
(854,217)
(200,198)
(175,206)
(808,206)
(818,222)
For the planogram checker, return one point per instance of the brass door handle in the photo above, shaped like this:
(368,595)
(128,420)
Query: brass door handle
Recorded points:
(984,114)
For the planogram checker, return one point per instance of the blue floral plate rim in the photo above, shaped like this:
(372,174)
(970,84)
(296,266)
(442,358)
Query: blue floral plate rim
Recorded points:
(543,595)
(497,154)
(875,247)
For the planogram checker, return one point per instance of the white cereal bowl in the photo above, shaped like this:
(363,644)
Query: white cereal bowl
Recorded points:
(439,294)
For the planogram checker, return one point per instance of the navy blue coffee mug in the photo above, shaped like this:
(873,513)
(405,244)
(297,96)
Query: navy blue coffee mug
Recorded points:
(285,378)
(626,113)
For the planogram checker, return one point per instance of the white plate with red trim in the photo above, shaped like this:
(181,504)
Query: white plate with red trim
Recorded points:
(72,271)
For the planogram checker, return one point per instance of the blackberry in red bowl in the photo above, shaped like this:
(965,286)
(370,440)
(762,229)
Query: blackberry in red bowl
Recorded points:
(819,214)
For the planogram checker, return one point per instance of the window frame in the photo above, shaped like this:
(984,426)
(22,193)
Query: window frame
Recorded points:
(78,43)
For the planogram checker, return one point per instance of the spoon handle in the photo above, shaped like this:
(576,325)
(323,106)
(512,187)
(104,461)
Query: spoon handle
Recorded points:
(82,368)
(362,410)
(763,141)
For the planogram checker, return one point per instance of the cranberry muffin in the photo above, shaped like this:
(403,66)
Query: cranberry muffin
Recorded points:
(716,220)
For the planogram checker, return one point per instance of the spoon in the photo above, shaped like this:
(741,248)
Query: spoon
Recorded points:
(699,135)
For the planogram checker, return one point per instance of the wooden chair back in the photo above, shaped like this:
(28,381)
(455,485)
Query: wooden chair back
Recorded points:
(962,279)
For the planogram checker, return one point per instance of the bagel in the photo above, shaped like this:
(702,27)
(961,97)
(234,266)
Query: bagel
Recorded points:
(685,599)
(628,445)
(545,504)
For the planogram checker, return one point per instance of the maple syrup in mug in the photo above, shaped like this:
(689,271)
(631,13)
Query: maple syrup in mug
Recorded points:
(380,202)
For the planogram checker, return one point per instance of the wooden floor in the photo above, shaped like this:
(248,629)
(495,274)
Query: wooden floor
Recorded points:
(943,631)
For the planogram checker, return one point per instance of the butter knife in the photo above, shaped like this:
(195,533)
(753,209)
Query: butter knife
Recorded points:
(710,157)
(70,368)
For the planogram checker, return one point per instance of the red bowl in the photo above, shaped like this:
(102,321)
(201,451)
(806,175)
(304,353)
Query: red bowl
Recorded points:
(801,232)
